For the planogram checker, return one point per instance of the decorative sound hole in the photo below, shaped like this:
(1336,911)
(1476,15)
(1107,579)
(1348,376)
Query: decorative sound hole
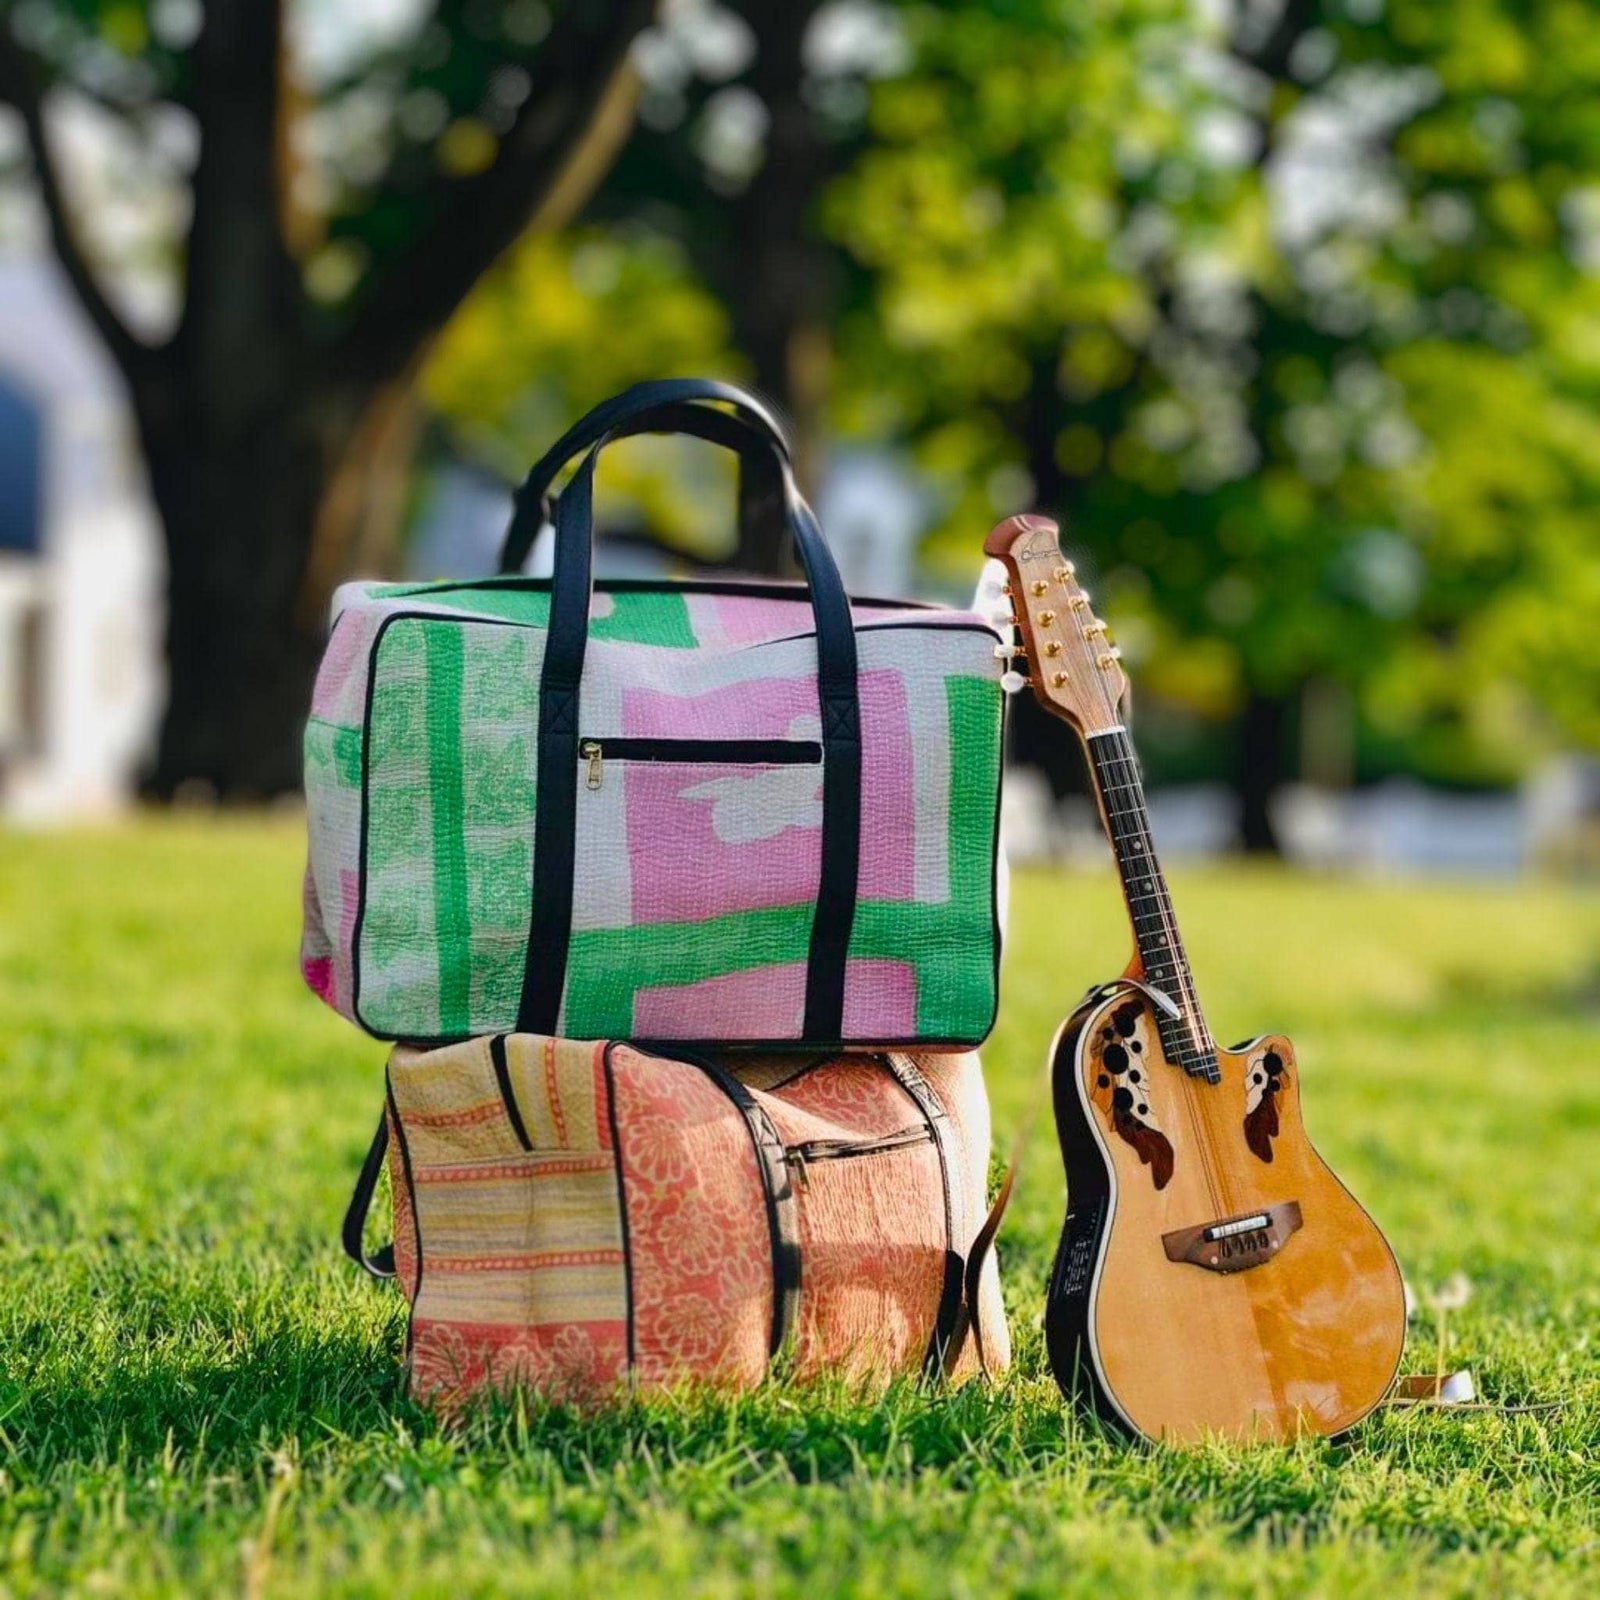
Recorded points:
(1121,1059)
(1265,1079)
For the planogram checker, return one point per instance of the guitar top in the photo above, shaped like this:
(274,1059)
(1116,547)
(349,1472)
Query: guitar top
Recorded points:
(1214,1278)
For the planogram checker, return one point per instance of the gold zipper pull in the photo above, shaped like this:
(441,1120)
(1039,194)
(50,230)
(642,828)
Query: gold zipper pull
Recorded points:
(590,749)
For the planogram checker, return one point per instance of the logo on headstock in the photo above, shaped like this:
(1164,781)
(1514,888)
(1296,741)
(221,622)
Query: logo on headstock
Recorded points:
(1041,546)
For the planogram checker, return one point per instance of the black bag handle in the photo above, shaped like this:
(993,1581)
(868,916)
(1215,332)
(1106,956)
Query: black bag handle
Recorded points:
(760,495)
(380,1264)
(555,815)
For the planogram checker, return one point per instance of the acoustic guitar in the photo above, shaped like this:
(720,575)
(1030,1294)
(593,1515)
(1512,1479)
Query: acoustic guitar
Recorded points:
(1214,1278)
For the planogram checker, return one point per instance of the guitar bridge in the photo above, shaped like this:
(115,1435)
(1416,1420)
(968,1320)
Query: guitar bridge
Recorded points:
(1235,1244)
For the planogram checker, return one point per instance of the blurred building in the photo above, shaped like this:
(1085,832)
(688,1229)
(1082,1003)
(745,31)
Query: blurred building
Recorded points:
(80,562)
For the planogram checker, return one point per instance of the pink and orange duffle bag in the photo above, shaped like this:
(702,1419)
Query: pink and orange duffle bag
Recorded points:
(585,1219)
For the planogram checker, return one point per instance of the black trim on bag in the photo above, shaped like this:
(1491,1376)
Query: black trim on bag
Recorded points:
(772,589)
(833,1044)
(622,1196)
(508,1096)
(733,752)
(905,1073)
(415,1208)
(783,1222)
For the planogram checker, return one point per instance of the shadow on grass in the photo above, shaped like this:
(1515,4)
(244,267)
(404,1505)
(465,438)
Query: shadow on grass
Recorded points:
(94,1405)
(304,1384)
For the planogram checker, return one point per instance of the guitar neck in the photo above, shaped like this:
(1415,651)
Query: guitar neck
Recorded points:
(1185,1038)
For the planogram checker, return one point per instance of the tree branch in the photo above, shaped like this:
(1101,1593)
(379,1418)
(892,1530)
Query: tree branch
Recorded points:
(20,87)
(574,96)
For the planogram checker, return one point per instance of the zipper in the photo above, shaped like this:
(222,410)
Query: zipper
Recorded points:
(800,1156)
(733,752)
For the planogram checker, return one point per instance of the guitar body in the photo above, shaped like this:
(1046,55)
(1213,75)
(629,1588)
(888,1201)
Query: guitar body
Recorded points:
(1214,1278)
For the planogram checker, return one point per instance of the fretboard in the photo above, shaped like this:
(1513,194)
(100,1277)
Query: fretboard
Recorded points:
(1185,1038)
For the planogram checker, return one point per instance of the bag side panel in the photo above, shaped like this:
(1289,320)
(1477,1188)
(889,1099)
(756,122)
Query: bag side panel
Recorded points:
(407,1261)
(699,1240)
(872,1229)
(523,1271)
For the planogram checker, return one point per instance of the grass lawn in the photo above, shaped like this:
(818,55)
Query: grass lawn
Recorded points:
(197,1395)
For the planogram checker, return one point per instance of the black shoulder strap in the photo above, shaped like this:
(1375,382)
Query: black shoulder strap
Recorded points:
(651,407)
(555,809)
(380,1263)
(760,496)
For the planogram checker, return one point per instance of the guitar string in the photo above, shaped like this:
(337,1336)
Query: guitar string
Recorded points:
(1200,1042)
(1112,782)
(1213,1168)
(1177,957)
(1199,1034)
(1121,755)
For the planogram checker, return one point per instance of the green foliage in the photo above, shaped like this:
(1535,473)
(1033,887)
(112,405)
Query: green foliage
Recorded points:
(563,322)
(1297,323)
(198,1396)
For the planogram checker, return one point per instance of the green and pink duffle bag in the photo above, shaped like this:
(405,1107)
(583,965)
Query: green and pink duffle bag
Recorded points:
(715,811)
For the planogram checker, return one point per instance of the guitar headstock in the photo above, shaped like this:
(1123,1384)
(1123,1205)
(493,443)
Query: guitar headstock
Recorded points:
(1074,667)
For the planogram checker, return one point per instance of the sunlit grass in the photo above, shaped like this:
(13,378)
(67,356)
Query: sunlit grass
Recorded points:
(186,1360)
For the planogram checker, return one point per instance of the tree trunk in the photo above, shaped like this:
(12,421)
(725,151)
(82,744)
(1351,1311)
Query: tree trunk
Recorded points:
(243,636)
(778,283)
(1040,422)
(1260,772)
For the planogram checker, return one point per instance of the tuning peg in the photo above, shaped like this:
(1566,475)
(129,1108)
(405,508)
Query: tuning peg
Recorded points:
(1106,657)
(1004,652)
(1012,682)
(993,589)
(1002,617)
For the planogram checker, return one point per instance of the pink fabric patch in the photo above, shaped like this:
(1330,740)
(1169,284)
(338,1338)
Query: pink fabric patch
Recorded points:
(709,839)
(349,896)
(716,839)
(688,861)
(767,708)
(880,1002)
(318,973)
(342,662)
(739,620)
(761,1003)
(748,621)
(888,812)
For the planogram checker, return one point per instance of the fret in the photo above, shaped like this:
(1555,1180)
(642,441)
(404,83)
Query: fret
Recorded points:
(1185,1039)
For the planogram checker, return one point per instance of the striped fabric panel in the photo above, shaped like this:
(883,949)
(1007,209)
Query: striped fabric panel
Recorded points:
(513,1241)
(560,1091)
(511,1211)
